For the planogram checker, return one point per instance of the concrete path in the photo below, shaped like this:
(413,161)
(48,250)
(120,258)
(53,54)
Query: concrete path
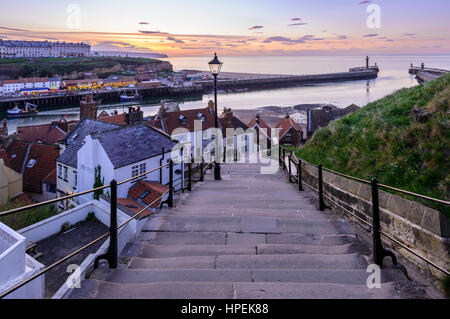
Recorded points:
(247,236)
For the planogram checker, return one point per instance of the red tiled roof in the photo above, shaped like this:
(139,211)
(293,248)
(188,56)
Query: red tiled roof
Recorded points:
(22,199)
(172,120)
(257,119)
(137,196)
(120,119)
(286,124)
(46,133)
(134,206)
(228,120)
(103,114)
(18,156)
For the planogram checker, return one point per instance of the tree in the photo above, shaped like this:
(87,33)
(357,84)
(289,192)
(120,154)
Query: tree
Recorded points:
(98,182)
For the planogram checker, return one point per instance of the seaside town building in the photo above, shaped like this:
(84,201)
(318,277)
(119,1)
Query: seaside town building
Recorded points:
(10,49)
(122,154)
(51,133)
(290,132)
(239,140)
(262,130)
(29,86)
(11,183)
(36,162)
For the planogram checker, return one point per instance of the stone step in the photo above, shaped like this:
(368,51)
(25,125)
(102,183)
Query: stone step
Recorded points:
(293,261)
(106,290)
(269,212)
(254,204)
(217,238)
(162,251)
(248,224)
(348,277)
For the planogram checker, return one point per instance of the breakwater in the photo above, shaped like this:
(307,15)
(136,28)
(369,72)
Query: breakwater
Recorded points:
(297,79)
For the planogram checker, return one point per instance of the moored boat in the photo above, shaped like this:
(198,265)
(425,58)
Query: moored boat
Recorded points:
(29,110)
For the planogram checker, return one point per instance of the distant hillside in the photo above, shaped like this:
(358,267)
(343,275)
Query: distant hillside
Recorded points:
(388,140)
(72,68)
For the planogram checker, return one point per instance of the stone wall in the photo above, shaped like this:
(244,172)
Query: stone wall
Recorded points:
(422,229)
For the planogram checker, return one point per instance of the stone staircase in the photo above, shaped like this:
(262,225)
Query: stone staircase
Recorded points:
(248,236)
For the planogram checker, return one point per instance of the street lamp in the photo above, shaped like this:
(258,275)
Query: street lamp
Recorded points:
(215,66)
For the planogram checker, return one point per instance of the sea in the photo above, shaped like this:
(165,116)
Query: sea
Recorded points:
(392,77)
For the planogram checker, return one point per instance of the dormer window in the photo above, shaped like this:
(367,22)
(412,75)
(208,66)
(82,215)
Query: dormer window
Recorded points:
(201,117)
(31,163)
(182,120)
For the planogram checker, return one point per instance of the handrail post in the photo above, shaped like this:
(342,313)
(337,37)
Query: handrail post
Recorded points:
(299,175)
(112,254)
(321,203)
(189,187)
(379,252)
(290,169)
(170,199)
(284,159)
(202,175)
(279,153)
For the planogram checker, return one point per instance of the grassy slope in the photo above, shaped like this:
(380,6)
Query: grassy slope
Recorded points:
(383,140)
(53,66)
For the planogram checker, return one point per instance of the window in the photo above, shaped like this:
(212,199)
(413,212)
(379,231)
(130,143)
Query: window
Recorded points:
(65,173)
(59,171)
(134,171)
(288,138)
(142,168)
(31,163)
(75,180)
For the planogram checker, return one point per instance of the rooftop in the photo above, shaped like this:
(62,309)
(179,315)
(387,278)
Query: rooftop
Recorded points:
(75,139)
(132,144)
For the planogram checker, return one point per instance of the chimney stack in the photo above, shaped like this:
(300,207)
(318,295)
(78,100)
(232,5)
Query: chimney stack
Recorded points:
(4,130)
(88,108)
(134,116)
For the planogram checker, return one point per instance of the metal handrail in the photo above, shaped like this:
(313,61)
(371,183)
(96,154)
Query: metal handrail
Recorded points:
(383,251)
(59,199)
(21,284)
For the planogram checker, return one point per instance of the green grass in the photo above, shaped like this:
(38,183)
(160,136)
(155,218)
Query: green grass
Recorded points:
(59,66)
(383,140)
(26,218)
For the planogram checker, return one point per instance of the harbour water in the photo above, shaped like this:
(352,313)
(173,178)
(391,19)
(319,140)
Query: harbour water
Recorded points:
(392,77)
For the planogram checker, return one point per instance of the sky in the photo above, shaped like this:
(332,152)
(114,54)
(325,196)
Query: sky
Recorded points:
(235,27)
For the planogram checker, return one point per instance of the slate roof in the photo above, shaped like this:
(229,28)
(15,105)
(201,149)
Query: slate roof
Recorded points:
(132,144)
(47,133)
(75,140)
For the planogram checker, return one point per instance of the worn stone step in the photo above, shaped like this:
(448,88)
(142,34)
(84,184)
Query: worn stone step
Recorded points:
(293,261)
(322,240)
(163,251)
(193,290)
(255,204)
(193,238)
(348,277)
(270,212)
(249,224)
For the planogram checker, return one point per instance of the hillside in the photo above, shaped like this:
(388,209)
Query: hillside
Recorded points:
(73,67)
(388,141)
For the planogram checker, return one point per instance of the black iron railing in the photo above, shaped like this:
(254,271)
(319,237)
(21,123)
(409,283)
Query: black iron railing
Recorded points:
(379,252)
(111,254)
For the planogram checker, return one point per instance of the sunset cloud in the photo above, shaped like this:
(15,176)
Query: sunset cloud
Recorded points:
(370,35)
(296,24)
(256,27)
(296,19)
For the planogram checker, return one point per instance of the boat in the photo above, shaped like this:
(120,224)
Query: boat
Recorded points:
(135,96)
(30,109)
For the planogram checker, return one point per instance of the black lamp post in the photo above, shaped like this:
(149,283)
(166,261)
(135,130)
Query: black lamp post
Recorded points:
(215,66)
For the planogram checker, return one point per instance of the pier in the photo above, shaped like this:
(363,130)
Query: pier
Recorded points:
(424,74)
(362,74)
